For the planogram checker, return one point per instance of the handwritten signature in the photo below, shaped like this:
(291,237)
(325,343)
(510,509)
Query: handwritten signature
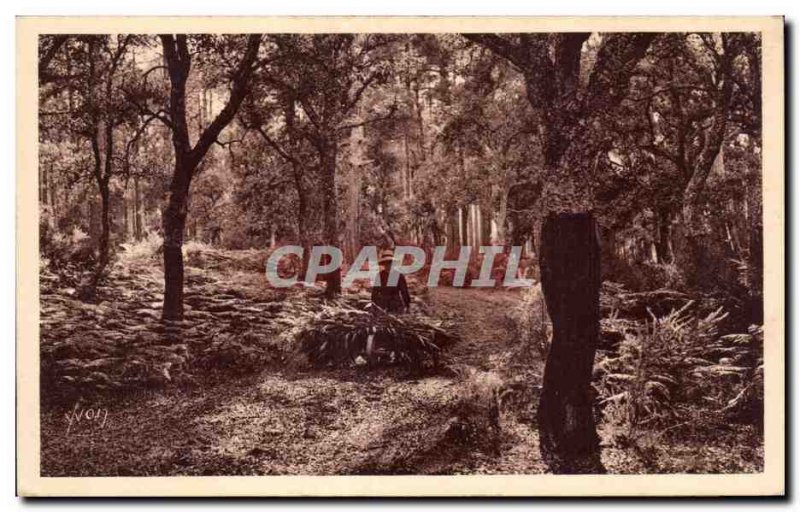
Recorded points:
(93,416)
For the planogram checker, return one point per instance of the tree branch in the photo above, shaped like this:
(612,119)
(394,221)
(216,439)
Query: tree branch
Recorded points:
(238,90)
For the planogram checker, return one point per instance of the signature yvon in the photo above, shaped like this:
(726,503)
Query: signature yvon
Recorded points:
(89,416)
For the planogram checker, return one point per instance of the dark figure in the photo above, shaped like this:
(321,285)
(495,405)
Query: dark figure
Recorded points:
(393,299)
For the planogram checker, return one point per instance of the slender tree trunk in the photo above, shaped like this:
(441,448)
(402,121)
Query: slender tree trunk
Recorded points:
(103,254)
(137,212)
(464,224)
(451,232)
(569,262)
(102,148)
(500,215)
(486,225)
(302,231)
(329,211)
(663,233)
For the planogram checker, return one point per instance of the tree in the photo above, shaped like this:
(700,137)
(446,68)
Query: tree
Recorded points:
(491,130)
(327,76)
(90,75)
(188,156)
(260,112)
(688,98)
(571,112)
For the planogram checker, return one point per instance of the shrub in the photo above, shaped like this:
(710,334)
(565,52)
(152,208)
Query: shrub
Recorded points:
(337,334)
(530,325)
(477,406)
(674,371)
(147,248)
(65,252)
(641,276)
(194,253)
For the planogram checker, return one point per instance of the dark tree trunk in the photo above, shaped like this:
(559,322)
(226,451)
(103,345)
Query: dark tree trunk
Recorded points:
(436,232)
(137,211)
(302,232)
(174,224)
(298,173)
(464,225)
(757,273)
(569,255)
(329,211)
(89,291)
(451,233)
(569,260)
(105,227)
(663,234)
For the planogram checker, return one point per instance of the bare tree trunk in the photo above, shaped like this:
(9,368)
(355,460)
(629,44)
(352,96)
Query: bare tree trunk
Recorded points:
(486,224)
(137,211)
(329,211)
(105,236)
(569,262)
(451,232)
(102,148)
(500,215)
(464,225)
(663,233)
(174,224)
(302,231)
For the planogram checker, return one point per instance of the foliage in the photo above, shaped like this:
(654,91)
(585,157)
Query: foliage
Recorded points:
(530,325)
(336,334)
(147,248)
(672,371)
(64,252)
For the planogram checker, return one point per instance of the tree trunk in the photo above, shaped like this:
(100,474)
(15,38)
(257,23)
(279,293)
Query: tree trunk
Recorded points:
(500,216)
(105,226)
(137,212)
(451,232)
(464,225)
(486,224)
(331,224)
(302,233)
(103,256)
(663,254)
(569,261)
(102,149)
(174,224)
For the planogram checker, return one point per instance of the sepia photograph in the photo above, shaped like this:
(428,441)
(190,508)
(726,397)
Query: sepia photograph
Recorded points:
(389,252)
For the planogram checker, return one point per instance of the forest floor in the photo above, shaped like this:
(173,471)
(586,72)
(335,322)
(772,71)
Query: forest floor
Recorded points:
(288,418)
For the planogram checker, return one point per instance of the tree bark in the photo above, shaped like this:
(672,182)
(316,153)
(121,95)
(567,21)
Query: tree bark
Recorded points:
(569,262)
(174,224)
(302,231)
(663,233)
(137,211)
(331,223)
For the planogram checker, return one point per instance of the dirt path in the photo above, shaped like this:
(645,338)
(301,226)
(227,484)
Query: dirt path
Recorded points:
(482,323)
(313,422)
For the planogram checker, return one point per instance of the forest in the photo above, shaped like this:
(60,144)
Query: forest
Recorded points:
(626,166)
